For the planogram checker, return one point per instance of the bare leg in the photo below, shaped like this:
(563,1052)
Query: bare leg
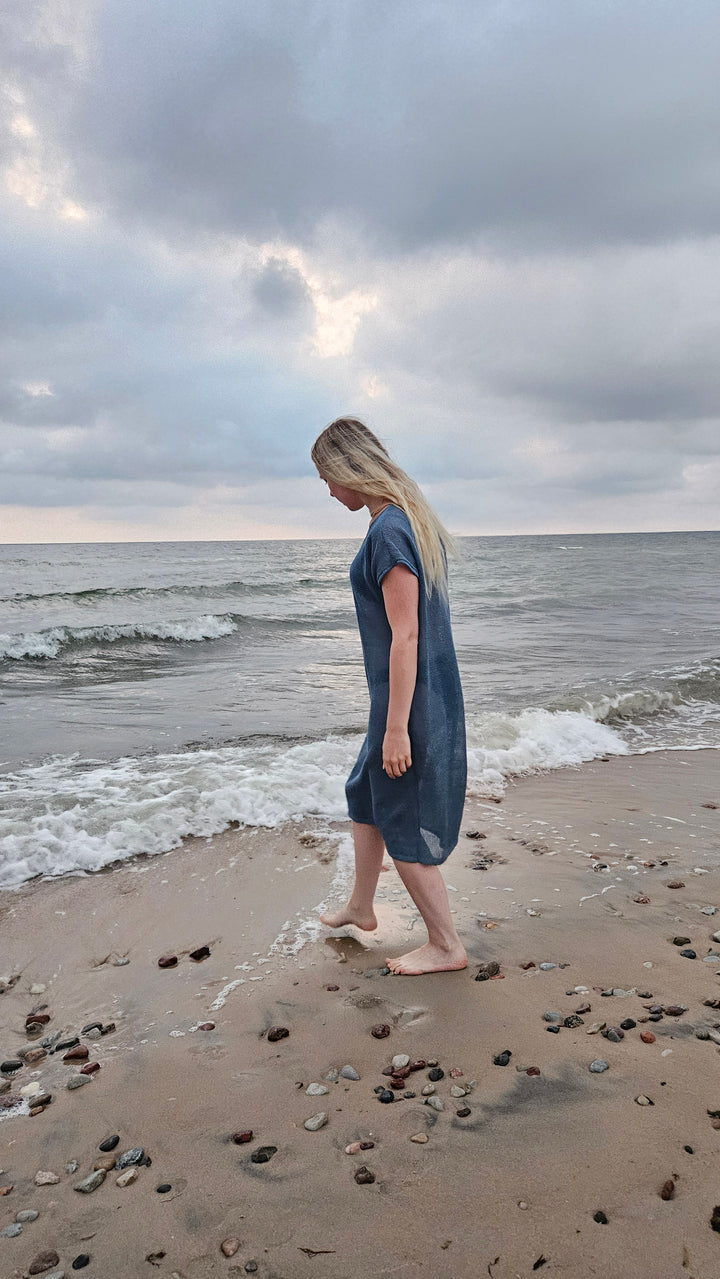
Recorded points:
(369,849)
(443,950)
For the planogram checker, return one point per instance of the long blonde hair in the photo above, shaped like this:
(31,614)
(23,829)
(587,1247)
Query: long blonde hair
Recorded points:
(348,453)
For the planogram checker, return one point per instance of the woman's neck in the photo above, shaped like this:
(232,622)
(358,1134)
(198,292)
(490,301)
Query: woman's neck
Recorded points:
(376,506)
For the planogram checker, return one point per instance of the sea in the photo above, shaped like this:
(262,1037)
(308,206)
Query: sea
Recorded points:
(152,691)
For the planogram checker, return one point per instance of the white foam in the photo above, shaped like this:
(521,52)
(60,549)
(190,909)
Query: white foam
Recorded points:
(80,815)
(502,746)
(52,642)
(74,815)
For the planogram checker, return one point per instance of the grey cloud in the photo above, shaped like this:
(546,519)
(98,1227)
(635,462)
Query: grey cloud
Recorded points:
(524,124)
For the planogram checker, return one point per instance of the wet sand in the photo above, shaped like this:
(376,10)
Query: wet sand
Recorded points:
(563,856)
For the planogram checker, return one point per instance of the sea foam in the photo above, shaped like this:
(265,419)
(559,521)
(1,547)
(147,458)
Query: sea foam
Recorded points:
(50,643)
(74,815)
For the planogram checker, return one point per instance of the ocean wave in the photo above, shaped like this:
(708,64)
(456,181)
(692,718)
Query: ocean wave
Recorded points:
(75,816)
(193,590)
(52,642)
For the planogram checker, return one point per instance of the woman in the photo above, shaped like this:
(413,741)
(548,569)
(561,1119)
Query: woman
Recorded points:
(407,789)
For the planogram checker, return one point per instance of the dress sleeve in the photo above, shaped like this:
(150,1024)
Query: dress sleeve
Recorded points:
(390,546)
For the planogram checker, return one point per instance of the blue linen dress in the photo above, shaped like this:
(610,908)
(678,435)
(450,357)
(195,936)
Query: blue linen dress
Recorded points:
(418,814)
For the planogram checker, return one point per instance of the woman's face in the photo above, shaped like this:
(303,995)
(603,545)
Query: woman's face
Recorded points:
(350,498)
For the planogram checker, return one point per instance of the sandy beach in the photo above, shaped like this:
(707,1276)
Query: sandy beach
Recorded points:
(560,877)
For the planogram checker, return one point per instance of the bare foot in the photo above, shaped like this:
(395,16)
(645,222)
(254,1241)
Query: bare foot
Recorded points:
(348,915)
(428,959)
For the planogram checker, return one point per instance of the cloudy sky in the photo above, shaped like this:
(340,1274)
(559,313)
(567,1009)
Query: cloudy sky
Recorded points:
(491,228)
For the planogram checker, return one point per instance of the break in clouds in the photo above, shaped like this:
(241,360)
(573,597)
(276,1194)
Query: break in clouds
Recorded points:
(492,229)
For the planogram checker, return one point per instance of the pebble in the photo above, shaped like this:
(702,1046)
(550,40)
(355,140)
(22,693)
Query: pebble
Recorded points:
(554,1030)
(29,1090)
(386,1096)
(263,1154)
(552,1016)
(276,1033)
(10,1067)
(105,1161)
(420,1138)
(614,1034)
(332,1075)
(202,952)
(572,1021)
(400,1060)
(135,1155)
(77,1081)
(12,1232)
(600,1217)
(30,1055)
(62,1045)
(502,1058)
(72,1166)
(533,1071)
(675,883)
(167,961)
(37,988)
(316,1121)
(88,1184)
(455,1073)
(364,1177)
(428,1090)
(163,1189)
(90,1068)
(598,1066)
(457,1091)
(381,1031)
(628,1024)
(251,1267)
(647,1036)
(207,1025)
(546,967)
(43,1261)
(121,962)
(353,1148)
(109,1143)
(126,1178)
(642,1100)
(316,1090)
(241,1137)
(436,1074)
(78,1053)
(435,1103)
(349,1072)
(230,1246)
(46,1178)
(667,1189)
(674,1010)
(688,953)
(27,1214)
(81,1261)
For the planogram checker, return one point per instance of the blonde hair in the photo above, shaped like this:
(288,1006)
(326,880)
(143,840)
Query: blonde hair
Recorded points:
(348,453)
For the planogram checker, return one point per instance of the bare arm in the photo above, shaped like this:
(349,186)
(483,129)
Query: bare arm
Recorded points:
(400,594)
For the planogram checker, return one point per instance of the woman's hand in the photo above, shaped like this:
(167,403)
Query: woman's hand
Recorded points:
(397,757)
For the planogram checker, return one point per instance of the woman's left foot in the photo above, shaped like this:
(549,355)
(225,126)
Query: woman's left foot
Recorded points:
(428,959)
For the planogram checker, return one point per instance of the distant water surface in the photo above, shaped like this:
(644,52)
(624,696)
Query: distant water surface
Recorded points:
(148,691)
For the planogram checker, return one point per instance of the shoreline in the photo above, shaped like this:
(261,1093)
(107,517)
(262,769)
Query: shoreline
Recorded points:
(566,1143)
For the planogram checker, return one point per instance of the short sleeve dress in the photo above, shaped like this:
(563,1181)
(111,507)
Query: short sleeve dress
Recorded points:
(418,814)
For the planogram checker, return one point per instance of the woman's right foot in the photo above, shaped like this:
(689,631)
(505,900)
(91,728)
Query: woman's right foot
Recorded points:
(348,915)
